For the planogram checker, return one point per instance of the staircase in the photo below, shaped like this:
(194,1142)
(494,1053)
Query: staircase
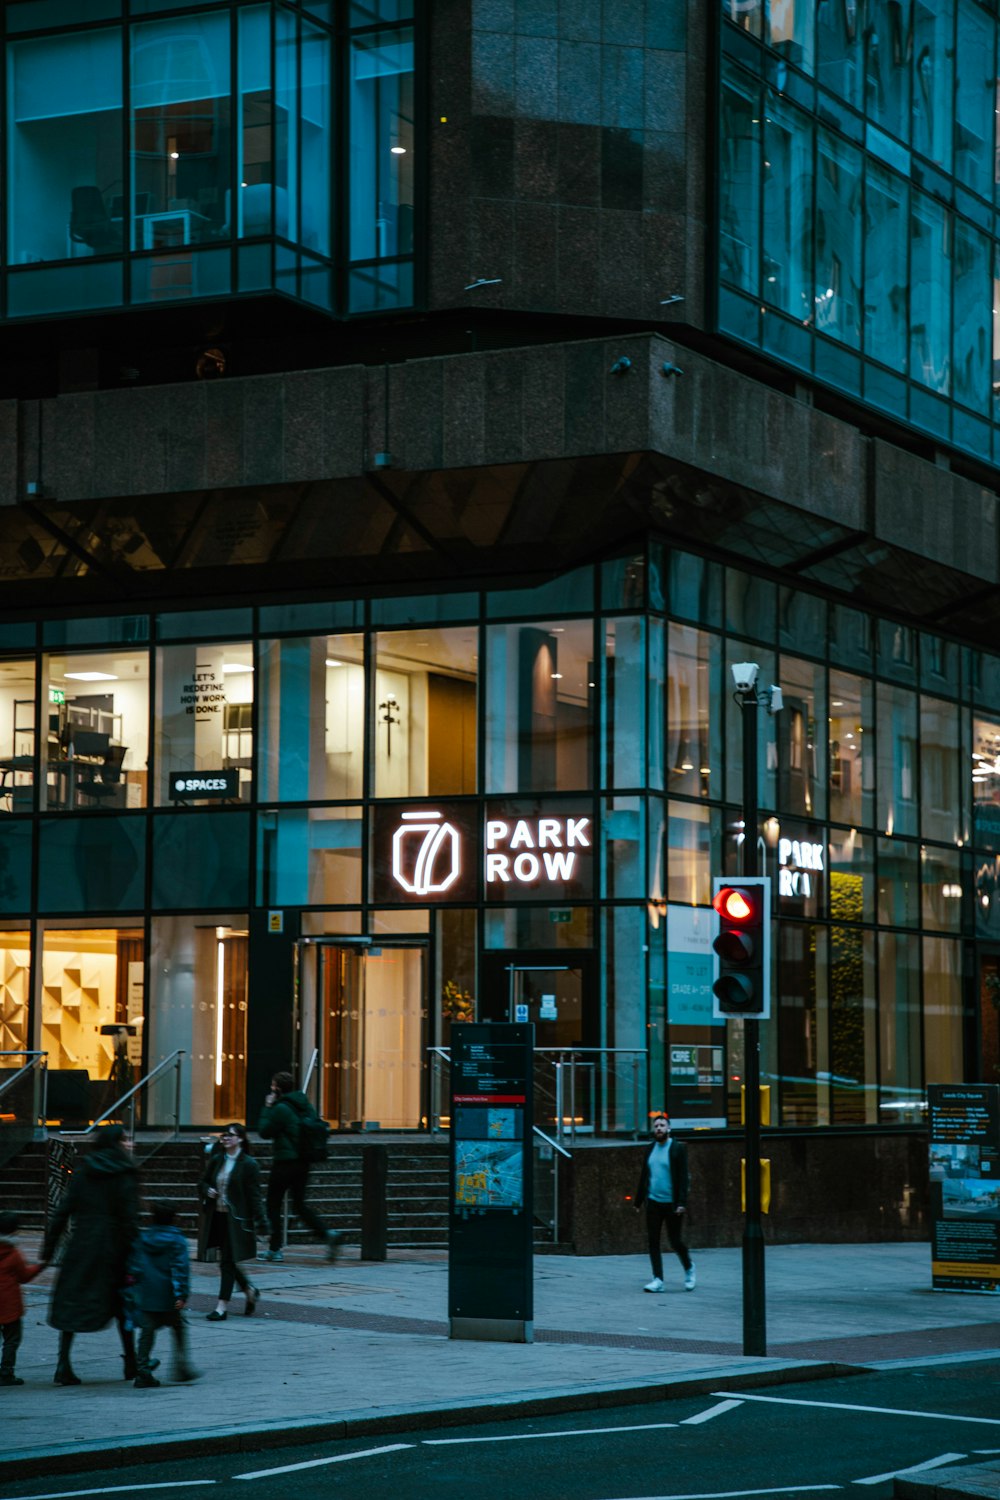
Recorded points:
(417,1188)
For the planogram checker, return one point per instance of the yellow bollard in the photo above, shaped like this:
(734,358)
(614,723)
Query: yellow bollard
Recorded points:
(765,1104)
(765,1184)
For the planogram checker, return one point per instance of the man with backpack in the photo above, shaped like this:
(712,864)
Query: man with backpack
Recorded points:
(299,1136)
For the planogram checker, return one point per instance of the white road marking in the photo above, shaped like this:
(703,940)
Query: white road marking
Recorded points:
(986,1450)
(932,1463)
(881,1411)
(713,1411)
(785,1489)
(317,1463)
(115,1489)
(519,1437)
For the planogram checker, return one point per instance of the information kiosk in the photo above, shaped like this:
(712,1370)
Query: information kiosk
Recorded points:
(490,1291)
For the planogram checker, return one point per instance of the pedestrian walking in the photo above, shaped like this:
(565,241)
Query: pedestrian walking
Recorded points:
(160,1269)
(663,1188)
(232,1217)
(14,1272)
(101,1210)
(285,1120)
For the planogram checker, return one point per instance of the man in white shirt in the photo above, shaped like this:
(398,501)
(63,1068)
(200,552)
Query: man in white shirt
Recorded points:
(663,1187)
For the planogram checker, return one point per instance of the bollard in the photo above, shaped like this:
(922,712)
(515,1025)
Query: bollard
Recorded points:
(374,1202)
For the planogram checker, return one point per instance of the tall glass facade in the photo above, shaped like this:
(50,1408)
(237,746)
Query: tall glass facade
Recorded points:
(208,153)
(858,189)
(519,796)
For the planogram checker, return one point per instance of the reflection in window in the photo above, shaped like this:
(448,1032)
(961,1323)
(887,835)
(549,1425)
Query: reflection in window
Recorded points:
(312,714)
(255,136)
(930,294)
(941,876)
(899,1028)
(204,707)
(789,30)
(693,693)
(897,760)
(739,180)
(788,174)
(310,857)
(851,758)
(180,142)
(624,737)
(853,1027)
(381,133)
(539,707)
(693,853)
(975,90)
(932,80)
(803,1025)
(971,356)
(986,783)
(18,760)
(837,299)
(852,877)
(95,736)
(887,65)
(198,974)
(64,181)
(802,745)
(886,233)
(942,1011)
(425,711)
(940,804)
(898,883)
(624,855)
(839,44)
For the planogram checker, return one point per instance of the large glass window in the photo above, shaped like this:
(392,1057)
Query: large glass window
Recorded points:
(986,784)
(972,334)
(838,295)
(940,803)
(804,1025)
(839,29)
(933,55)
(312,715)
(310,857)
(788,220)
(887,64)
(899,1027)
(180,142)
(739,180)
(852,759)
(930,293)
(204,723)
(381,110)
(255,137)
(801,741)
(693,727)
(853,1033)
(624,738)
(943,1053)
(897,760)
(539,706)
(15,992)
(886,233)
(425,709)
(975,97)
(18,759)
(65,195)
(95,731)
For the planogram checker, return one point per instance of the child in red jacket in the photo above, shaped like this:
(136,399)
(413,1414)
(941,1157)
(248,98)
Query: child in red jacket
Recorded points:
(14,1270)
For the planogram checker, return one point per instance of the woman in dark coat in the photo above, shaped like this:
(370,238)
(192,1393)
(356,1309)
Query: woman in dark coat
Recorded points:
(101,1208)
(232,1216)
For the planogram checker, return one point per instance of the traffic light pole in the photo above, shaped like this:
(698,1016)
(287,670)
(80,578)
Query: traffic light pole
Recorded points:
(754,1306)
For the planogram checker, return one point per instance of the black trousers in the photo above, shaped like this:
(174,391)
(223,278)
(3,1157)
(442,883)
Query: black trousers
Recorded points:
(149,1322)
(658,1214)
(291,1177)
(11,1343)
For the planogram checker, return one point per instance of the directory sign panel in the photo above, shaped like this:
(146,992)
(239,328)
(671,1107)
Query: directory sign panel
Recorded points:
(490,1241)
(965,1186)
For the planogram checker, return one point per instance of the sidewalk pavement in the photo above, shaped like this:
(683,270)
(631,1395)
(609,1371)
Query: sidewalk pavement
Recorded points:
(361,1347)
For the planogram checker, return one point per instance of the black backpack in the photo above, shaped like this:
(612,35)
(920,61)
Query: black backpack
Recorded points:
(314,1138)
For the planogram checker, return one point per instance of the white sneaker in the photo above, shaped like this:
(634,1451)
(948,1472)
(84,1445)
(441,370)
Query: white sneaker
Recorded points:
(690,1279)
(656,1285)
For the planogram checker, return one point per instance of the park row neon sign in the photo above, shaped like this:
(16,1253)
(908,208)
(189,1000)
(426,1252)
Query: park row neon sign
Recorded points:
(427,853)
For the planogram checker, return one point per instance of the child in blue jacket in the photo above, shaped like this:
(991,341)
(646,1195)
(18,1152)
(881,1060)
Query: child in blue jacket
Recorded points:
(160,1269)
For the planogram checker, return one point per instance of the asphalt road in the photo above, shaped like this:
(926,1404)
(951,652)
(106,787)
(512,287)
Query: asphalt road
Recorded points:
(851,1434)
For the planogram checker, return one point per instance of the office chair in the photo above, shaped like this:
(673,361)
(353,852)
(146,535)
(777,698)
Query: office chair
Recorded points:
(105,781)
(90,223)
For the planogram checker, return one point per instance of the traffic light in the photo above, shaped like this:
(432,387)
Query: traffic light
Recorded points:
(743,948)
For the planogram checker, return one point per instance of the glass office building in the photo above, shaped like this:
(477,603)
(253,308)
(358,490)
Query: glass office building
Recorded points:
(857,200)
(228,149)
(521,795)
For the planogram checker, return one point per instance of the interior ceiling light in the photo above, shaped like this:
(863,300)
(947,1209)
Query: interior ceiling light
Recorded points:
(398,150)
(92,676)
(331,661)
(232,668)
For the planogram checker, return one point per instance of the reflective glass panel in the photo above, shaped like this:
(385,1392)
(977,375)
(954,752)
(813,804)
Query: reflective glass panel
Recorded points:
(739,180)
(180,143)
(898,883)
(943,1050)
(201,861)
(315,106)
(942,877)
(694,673)
(788,222)
(15,872)
(852,759)
(91,864)
(886,233)
(18,751)
(767,729)
(852,876)
(15,977)
(693,853)
(204,723)
(381,144)
(838,292)
(853,1028)
(309,857)
(973,317)
(896,736)
(64,190)
(624,737)
(887,64)
(539,706)
(940,803)
(425,710)
(92,977)
(933,60)
(788,28)
(312,718)
(255,136)
(840,47)
(975,97)
(930,293)
(899,1028)
(803,1025)
(986,783)
(802,743)
(623,833)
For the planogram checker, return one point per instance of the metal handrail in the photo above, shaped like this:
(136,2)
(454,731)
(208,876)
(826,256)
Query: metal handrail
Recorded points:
(309,1070)
(15,1138)
(536,1130)
(34,1060)
(173,1061)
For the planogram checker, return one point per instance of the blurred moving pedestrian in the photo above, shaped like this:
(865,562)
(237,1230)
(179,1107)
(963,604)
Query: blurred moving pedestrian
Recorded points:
(101,1209)
(232,1216)
(14,1272)
(281,1119)
(160,1269)
(663,1187)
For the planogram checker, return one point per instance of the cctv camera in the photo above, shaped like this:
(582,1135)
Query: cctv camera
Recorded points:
(745,675)
(777,702)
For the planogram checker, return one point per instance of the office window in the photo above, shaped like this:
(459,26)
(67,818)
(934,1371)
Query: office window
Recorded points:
(94,744)
(887,65)
(180,140)
(899,1028)
(930,293)
(694,723)
(838,294)
(539,706)
(896,734)
(972,333)
(804,1025)
(624,739)
(312,718)
(64,159)
(943,1050)
(18,761)
(933,62)
(840,50)
(255,134)
(788,171)
(986,784)
(853,1027)
(739,180)
(886,230)
(852,760)
(975,97)
(789,30)
(381,144)
(802,743)
(940,803)
(424,733)
(203,731)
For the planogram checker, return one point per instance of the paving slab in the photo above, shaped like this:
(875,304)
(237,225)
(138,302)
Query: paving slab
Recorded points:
(362,1346)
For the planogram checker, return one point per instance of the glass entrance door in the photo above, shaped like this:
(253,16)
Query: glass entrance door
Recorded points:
(362,1010)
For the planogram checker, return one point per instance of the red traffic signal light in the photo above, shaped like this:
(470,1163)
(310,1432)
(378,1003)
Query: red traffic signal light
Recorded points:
(740,985)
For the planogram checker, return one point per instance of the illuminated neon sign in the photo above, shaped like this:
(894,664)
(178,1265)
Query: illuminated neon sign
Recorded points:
(534,849)
(426,854)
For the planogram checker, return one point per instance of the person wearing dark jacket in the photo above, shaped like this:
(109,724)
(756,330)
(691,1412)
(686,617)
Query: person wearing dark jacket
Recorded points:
(663,1188)
(284,1109)
(101,1209)
(160,1269)
(14,1272)
(232,1216)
